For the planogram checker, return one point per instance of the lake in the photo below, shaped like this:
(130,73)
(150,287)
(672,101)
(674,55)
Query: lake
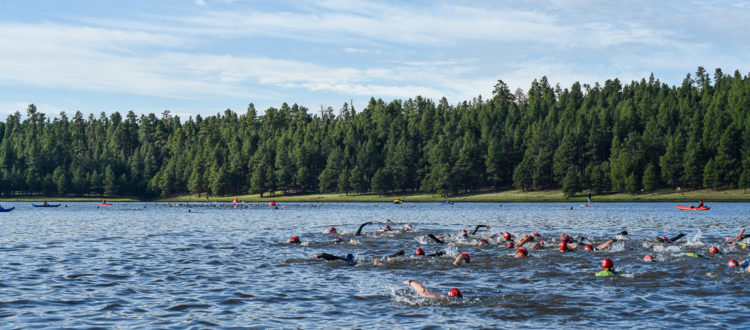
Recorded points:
(173,265)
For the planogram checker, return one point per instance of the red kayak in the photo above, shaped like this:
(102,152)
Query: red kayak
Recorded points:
(693,208)
(105,203)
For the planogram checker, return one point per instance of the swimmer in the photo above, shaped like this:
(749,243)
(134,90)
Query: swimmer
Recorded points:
(348,259)
(387,228)
(464,233)
(733,263)
(389,258)
(420,253)
(664,239)
(608,268)
(294,240)
(462,259)
(482,242)
(508,236)
(648,258)
(694,255)
(407,227)
(437,240)
(333,230)
(424,292)
(359,231)
(714,250)
(522,253)
(480,226)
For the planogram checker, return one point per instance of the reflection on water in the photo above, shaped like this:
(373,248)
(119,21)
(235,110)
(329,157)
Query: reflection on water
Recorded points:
(156,265)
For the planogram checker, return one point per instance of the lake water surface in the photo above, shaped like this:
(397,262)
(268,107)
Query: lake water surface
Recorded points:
(158,265)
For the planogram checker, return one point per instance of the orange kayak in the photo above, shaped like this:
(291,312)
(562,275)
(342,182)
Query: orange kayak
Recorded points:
(692,208)
(105,203)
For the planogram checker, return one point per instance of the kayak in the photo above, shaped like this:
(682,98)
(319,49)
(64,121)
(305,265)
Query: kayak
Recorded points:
(693,208)
(46,205)
(7,210)
(105,203)
(397,201)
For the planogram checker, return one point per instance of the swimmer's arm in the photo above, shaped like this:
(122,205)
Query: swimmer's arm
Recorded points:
(739,236)
(477,228)
(605,244)
(422,291)
(435,238)
(359,231)
(327,256)
(680,235)
(399,253)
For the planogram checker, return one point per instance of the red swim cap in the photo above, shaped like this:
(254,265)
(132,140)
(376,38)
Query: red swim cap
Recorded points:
(464,232)
(507,236)
(589,247)
(522,251)
(536,234)
(607,263)
(467,258)
(563,246)
(733,263)
(338,239)
(387,227)
(482,242)
(420,252)
(294,239)
(332,230)
(713,250)
(648,257)
(455,293)
(530,238)
(510,245)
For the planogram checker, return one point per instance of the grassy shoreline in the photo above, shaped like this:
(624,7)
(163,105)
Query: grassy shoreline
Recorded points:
(685,196)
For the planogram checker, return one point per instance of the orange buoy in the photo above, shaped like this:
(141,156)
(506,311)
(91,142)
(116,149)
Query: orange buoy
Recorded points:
(272,204)
(235,200)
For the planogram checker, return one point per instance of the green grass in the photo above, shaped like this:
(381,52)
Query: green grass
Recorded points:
(667,195)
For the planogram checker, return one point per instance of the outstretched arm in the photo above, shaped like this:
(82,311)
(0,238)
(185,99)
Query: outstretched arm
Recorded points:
(605,244)
(680,235)
(435,238)
(739,236)
(359,231)
(477,228)
(422,291)
(327,256)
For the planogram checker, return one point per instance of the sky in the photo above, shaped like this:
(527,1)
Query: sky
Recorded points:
(204,56)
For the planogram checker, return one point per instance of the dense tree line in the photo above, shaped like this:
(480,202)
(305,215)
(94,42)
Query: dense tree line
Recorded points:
(640,136)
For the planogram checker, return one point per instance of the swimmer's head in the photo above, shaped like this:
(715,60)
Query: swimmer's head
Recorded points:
(648,258)
(529,238)
(294,239)
(482,242)
(607,263)
(510,245)
(338,240)
(733,263)
(332,230)
(508,236)
(407,227)
(713,250)
(536,234)
(387,227)
(521,253)
(420,252)
(467,258)
(464,233)
(455,293)
(589,247)
(349,257)
(563,246)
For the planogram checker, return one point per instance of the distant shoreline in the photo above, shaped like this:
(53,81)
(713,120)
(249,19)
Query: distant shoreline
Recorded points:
(684,196)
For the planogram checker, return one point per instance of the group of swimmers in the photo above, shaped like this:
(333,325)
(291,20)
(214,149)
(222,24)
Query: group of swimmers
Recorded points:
(533,241)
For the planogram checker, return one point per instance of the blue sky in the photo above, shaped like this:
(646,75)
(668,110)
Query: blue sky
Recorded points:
(201,57)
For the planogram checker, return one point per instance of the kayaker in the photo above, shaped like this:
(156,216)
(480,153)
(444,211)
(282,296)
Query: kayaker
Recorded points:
(424,292)
(608,268)
(701,204)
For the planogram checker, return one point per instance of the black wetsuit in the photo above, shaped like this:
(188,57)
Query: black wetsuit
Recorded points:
(435,239)
(349,258)
(477,229)
(359,231)
(670,240)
